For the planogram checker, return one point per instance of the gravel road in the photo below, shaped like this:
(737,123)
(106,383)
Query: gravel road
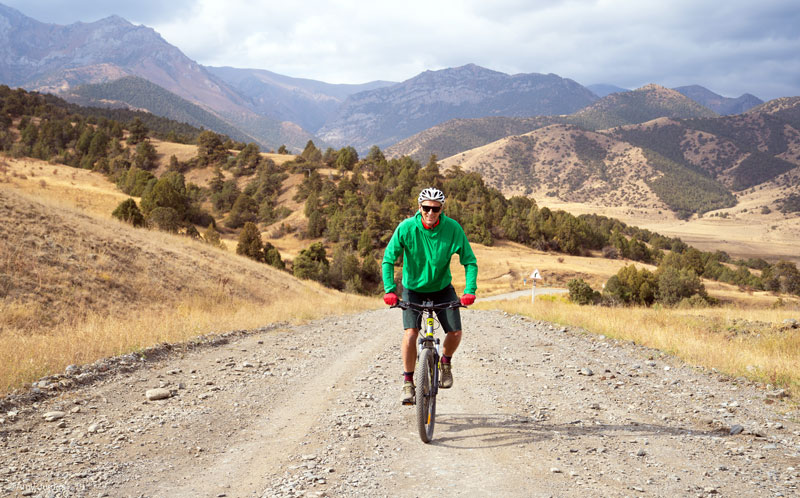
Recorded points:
(536,410)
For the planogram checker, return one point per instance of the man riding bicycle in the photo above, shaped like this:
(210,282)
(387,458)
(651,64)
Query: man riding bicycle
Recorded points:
(427,241)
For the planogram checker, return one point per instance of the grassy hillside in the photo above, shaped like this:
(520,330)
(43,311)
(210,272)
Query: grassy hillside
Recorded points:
(76,287)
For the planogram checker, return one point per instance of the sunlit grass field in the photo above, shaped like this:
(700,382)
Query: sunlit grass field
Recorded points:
(752,343)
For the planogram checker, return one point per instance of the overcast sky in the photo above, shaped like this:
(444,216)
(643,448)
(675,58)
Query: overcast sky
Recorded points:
(730,47)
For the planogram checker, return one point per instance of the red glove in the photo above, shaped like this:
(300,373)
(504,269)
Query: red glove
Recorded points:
(390,298)
(467,299)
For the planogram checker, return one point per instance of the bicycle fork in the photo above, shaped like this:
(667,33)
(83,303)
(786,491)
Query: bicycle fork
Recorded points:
(431,342)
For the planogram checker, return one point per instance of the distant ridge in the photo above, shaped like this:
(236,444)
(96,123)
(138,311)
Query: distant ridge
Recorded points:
(309,103)
(387,115)
(137,93)
(631,107)
(53,58)
(686,165)
(721,105)
(638,106)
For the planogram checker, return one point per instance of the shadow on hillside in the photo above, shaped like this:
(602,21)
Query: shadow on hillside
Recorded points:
(490,431)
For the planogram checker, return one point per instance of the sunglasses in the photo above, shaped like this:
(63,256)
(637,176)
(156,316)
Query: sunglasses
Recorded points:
(435,209)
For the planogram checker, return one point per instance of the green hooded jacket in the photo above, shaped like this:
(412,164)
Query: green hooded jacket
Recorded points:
(426,255)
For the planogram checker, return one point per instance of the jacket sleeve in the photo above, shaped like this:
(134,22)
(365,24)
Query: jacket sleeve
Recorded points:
(393,250)
(467,258)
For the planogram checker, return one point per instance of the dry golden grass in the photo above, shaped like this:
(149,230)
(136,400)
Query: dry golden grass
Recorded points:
(28,355)
(76,287)
(86,190)
(502,267)
(184,152)
(744,233)
(736,341)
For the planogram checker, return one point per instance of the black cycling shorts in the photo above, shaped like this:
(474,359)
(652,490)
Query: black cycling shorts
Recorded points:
(450,318)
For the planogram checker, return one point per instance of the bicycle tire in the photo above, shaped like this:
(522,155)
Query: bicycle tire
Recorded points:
(425,394)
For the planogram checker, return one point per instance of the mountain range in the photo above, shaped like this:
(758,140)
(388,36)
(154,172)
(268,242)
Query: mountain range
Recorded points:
(684,164)
(272,109)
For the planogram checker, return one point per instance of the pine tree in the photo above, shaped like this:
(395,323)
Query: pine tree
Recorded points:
(128,212)
(250,243)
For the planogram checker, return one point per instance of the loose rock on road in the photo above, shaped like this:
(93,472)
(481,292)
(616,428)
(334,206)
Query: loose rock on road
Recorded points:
(536,410)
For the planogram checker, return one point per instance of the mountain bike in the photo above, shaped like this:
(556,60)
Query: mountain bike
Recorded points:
(426,373)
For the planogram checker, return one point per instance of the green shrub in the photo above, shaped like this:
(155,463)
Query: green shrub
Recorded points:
(311,263)
(128,212)
(164,218)
(581,293)
(250,243)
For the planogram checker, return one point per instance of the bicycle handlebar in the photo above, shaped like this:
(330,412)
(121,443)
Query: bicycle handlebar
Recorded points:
(433,307)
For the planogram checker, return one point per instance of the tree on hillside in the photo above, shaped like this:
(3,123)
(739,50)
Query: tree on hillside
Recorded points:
(164,218)
(244,210)
(346,159)
(145,157)
(211,236)
(250,243)
(210,148)
(137,132)
(168,192)
(128,212)
(273,257)
(311,263)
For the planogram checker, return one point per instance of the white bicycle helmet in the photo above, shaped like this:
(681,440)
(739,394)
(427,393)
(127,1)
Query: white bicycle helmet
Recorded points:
(431,194)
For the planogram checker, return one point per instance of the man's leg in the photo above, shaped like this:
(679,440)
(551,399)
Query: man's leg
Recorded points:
(451,342)
(408,350)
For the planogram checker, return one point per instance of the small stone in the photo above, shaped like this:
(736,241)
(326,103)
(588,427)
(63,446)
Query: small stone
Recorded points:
(93,428)
(641,453)
(156,394)
(778,394)
(53,416)
(72,370)
(710,491)
(736,429)
(555,470)
(586,371)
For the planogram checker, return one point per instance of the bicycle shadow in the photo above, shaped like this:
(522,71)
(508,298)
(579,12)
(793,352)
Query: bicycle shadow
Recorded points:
(495,431)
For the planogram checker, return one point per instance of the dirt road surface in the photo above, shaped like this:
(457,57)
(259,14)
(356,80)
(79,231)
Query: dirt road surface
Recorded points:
(536,410)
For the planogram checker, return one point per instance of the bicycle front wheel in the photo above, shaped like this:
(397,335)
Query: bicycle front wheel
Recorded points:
(426,395)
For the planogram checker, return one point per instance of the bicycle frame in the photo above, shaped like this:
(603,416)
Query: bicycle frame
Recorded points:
(428,341)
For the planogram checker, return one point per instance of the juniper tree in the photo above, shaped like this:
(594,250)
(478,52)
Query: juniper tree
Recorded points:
(250,243)
(128,212)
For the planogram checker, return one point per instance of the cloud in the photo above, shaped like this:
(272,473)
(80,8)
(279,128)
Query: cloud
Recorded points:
(730,47)
(146,12)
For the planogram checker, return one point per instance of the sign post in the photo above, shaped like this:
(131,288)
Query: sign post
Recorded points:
(534,277)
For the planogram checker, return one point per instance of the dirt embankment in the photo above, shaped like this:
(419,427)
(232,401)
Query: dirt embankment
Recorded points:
(536,410)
